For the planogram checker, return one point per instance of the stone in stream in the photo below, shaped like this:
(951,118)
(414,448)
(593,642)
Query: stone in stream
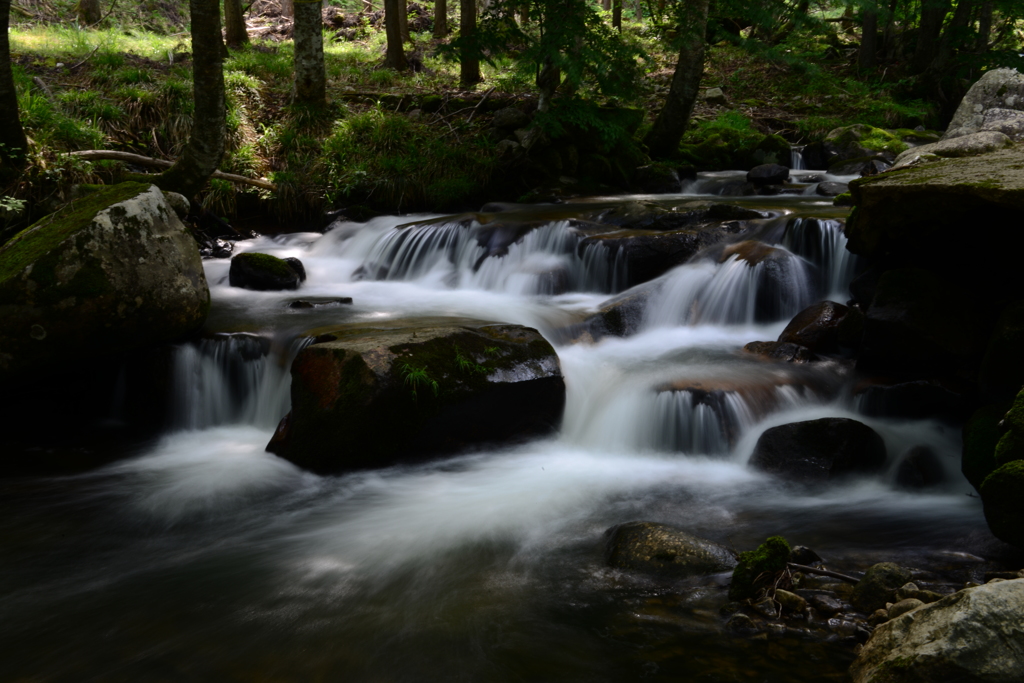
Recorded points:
(263,272)
(975,635)
(878,586)
(830,189)
(781,351)
(816,327)
(817,451)
(372,396)
(664,550)
(768,174)
(1002,492)
(784,281)
(115,270)
(919,468)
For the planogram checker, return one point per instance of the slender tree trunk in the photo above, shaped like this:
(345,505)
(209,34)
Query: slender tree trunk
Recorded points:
(933,13)
(889,35)
(606,5)
(310,87)
(548,79)
(13,144)
(395,58)
(403,21)
(206,144)
(668,129)
(617,14)
(984,27)
(235,33)
(440,19)
(639,7)
(868,36)
(88,12)
(954,37)
(287,9)
(469,65)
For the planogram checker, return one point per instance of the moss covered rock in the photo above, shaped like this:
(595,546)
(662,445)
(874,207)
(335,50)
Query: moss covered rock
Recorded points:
(664,550)
(112,271)
(253,270)
(1002,492)
(368,397)
(878,586)
(981,434)
(757,568)
(861,140)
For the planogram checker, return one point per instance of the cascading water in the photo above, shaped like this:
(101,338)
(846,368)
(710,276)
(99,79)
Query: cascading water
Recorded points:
(206,557)
(796,158)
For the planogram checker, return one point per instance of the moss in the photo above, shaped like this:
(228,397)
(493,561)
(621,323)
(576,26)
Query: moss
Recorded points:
(844,199)
(757,568)
(271,264)
(1002,492)
(981,434)
(32,244)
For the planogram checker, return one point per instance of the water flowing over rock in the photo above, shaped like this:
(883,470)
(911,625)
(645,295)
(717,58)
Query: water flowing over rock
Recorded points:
(371,397)
(816,327)
(817,451)
(116,270)
(665,551)
(975,635)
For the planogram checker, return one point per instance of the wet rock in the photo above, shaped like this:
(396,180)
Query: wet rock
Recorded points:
(860,141)
(801,554)
(981,434)
(966,146)
(998,90)
(656,179)
(622,315)
(831,189)
(790,601)
(903,606)
(878,617)
(263,272)
(916,400)
(920,468)
(302,303)
(768,174)
(878,586)
(509,119)
(816,327)
(1002,493)
(664,551)
(115,271)
(766,607)
(785,281)
(861,166)
(374,396)
(817,451)
(781,351)
(296,265)
(972,635)
(757,569)
(826,605)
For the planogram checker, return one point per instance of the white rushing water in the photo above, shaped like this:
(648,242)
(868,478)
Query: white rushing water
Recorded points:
(407,568)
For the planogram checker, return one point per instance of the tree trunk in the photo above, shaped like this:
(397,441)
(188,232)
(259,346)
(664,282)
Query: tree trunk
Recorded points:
(617,14)
(469,64)
(639,7)
(548,79)
(933,13)
(88,12)
(287,9)
(310,86)
(889,35)
(984,27)
(235,33)
(668,129)
(206,144)
(395,58)
(606,5)
(440,19)
(868,36)
(403,21)
(13,144)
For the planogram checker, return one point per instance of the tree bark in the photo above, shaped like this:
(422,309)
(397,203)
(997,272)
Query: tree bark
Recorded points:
(310,87)
(469,64)
(205,148)
(395,57)
(287,9)
(617,14)
(668,129)
(984,27)
(88,12)
(868,36)
(403,21)
(13,144)
(440,19)
(933,13)
(235,33)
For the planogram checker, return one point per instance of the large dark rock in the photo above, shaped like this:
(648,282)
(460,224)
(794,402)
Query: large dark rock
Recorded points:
(915,400)
(785,283)
(989,105)
(918,323)
(781,351)
(664,551)
(819,450)
(114,271)
(253,270)
(1002,493)
(816,327)
(972,636)
(768,174)
(622,315)
(860,140)
(920,468)
(371,397)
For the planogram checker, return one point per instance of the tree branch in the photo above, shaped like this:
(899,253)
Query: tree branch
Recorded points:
(823,572)
(112,155)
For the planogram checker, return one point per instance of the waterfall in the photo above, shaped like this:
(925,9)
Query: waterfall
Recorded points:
(796,158)
(231,379)
(822,242)
(546,260)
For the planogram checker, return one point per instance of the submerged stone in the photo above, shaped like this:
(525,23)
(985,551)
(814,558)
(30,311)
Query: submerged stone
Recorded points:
(368,397)
(664,550)
(116,270)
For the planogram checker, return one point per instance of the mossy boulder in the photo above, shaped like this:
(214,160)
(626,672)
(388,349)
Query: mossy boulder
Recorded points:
(1002,493)
(1002,367)
(369,397)
(664,550)
(263,272)
(861,140)
(113,271)
(878,586)
(757,568)
(981,434)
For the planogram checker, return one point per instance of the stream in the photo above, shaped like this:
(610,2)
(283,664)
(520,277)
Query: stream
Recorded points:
(203,557)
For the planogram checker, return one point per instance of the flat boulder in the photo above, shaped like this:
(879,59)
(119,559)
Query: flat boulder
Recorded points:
(817,451)
(664,550)
(964,146)
(975,635)
(115,270)
(373,396)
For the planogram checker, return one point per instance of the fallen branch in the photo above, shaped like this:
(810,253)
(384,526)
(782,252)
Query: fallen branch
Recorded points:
(109,12)
(42,86)
(112,155)
(822,572)
(87,58)
(480,104)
